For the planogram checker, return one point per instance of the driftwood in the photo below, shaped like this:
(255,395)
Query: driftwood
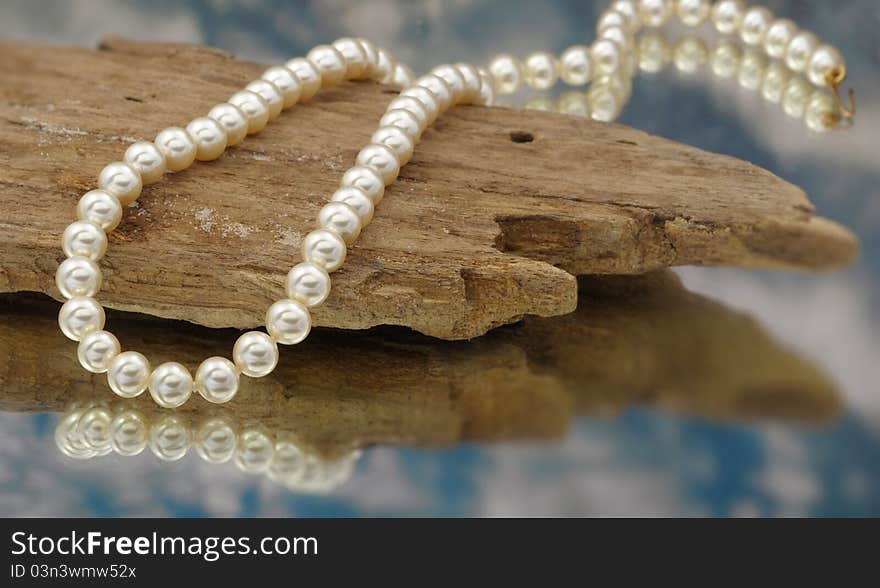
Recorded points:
(489,222)
(633,340)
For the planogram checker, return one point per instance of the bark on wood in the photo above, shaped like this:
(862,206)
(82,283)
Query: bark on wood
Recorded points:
(479,230)
(633,340)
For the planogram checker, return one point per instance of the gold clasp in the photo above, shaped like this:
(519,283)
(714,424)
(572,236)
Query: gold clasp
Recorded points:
(843,118)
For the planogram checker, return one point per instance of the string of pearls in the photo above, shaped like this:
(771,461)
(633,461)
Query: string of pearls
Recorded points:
(351,207)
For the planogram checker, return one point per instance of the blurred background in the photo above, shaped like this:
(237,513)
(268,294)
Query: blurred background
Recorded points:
(637,461)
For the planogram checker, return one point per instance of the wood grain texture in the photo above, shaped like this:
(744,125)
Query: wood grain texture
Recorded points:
(634,340)
(478,231)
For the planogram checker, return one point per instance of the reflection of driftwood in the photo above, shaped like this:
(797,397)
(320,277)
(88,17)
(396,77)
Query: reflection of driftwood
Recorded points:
(480,229)
(632,340)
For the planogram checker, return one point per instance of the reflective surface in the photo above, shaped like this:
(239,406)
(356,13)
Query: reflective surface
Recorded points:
(649,400)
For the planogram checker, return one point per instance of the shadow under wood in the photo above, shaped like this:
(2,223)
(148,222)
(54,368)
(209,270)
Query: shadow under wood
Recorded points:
(633,340)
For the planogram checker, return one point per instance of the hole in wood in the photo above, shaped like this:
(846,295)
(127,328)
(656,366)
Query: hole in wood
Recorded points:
(521,137)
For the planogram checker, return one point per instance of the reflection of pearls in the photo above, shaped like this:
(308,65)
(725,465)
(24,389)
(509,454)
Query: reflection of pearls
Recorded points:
(254,451)
(170,438)
(215,440)
(129,432)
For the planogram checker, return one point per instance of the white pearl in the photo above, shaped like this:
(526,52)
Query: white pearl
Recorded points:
(358,200)
(342,219)
(611,18)
(288,322)
(84,239)
(270,93)
(693,13)
(129,374)
(309,284)
(366,179)
(727,15)
(371,53)
(487,88)
(100,207)
(576,65)
(653,53)
(286,82)
(775,80)
(170,438)
(473,83)
(307,74)
(428,100)
(215,440)
(619,36)
(255,354)
(439,88)
(122,180)
(825,58)
(356,64)
(404,120)
(254,107)
(606,57)
(754,25)
(403,76)
(385,66)
(233,121)
(78,276)
(254,451)
(380,158)
(800,50)
(146,158)
(779,34)
(689,54)
(396,140)
(94,428)
(540,70)
(574,103)
(324,248)
(96,350)
(630,10)
(217,380)
(80,315)
(177,147)
(414,106)
(751,70)
(329,62)
(507,73)
(794,99)
(725,59)
(655,13)
(171,385)
(209,137)
(129,432)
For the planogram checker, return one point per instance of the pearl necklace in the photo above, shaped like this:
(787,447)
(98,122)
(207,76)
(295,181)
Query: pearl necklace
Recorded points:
(420,102)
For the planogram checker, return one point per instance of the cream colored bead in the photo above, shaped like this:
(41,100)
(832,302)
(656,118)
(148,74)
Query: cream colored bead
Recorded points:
(255,354)
(380,158)
(820,106)
(100,207)
(800,50)
(217,380)
(171,385)
(371,54)
(611,18)
(653,53)
(439,88)
(473,83)
(725,59)
(78,276)
(428,100)
(619,36)
(79,316)
(385,66)
(655,13)
(309,284)
(358,200)
(288,461)
(307,74)
(540,70)
(233,121)
(630,10)
(487,88)
(404,120)
(325,249)
(574,103)
(774,83)
(779,34)
(606,57)
(754,25)
(689,54)
(727,15)
(413,105)
(84,239)
(825,58)
(129,432)
(208,136)
(342,219)
(693,13)
(270,93)
(794,100)
(403,76)
(67,437)
(122,180)
(177,147)
(752,69)
(253,451)
(576,65)
(330,63)
(507,73)
(396,140)
(356,65)
(94,428)
(146,158)
(170,438)
(367,180)
(254,107)
(605,104)
(129,374)
(286,82)
(215,440)
(455,80)
(288,322)
(96,350)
